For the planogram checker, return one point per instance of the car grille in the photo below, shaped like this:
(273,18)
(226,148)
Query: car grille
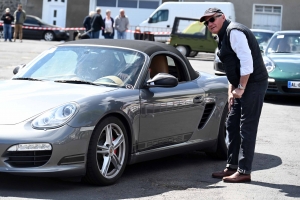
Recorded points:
(290,90)
(27,158)
(272,86)
(206,114)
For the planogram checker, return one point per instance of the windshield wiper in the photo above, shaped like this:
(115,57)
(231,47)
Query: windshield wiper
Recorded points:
(29,79)
(76,82)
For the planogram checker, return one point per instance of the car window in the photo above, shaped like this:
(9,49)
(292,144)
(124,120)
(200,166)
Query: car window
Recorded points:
(284,43)
(30,20)
(190,27)
(159,16)
(165,63)
(100,65)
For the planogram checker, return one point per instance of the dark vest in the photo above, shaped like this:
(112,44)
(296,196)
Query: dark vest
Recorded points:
(230,60)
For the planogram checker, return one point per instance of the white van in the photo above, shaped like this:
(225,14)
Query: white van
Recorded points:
(162,18)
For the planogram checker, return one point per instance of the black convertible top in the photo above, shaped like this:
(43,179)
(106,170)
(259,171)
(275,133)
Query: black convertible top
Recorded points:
(148,47)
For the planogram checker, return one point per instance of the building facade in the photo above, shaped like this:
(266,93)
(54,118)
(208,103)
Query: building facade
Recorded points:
(266,14)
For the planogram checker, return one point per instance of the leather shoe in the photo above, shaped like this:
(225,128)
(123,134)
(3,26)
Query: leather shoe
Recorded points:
(225,172)
(237,177)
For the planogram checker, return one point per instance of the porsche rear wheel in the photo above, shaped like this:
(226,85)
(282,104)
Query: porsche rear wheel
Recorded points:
(107,153)
(222,147)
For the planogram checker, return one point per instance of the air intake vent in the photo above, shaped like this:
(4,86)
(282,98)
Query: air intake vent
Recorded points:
(206,114)
(27,158)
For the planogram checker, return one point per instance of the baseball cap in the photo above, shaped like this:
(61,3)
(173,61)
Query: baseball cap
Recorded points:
(7,10)
(210,12)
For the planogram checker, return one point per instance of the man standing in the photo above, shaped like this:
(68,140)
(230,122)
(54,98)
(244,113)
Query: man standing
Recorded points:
(87,22)
(97,24)
(248,80)
(7,18)
(20,17)
(121,25)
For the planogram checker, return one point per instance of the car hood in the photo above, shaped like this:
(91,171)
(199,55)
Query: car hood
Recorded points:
(21,100)
(287,63)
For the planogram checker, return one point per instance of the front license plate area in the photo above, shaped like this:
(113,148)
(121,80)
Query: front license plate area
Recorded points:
(294,84)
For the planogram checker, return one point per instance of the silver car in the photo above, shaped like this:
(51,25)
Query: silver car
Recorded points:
(88,108)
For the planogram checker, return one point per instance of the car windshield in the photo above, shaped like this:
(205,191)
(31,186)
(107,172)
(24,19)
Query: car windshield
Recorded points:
(85,64)
(284,43)
(262,37)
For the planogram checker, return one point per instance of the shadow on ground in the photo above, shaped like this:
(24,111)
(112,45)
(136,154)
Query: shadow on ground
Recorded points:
(192,170)
(283,100)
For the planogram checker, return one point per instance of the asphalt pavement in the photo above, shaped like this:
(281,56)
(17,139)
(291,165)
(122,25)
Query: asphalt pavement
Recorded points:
(276,162)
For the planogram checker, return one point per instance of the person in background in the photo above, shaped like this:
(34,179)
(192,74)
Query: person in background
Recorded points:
(20,16)
(87,22)
(121,24)
(7,18)
(97,24)
(108,32)
(247,84)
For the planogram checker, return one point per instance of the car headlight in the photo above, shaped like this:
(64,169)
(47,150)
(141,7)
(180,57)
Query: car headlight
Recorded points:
(55,117)
(269,64)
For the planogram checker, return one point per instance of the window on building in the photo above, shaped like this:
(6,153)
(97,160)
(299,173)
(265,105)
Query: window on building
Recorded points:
(107,3)
(127,3)
(63,1)
(148,4)
(54,13)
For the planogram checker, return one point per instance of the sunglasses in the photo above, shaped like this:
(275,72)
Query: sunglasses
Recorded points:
(212,19)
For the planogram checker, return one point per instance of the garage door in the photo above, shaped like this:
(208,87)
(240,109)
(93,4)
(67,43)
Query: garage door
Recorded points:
(267,17)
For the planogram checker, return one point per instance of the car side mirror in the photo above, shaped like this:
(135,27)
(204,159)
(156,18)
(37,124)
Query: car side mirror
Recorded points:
(17,68)
(150,20)
(162,80)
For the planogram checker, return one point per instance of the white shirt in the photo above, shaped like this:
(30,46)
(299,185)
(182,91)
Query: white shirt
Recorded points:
(108,25)
(239,45)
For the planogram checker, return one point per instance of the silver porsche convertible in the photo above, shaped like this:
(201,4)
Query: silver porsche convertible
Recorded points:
(88,108)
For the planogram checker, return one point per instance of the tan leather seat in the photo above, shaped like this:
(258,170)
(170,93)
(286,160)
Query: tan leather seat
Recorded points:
(159,64)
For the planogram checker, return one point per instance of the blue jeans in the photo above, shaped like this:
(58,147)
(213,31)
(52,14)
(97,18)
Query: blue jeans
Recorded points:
(121,35)
(7,31)
(242,124)
(95,34)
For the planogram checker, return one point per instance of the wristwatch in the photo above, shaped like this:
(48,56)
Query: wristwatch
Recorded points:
(241,87)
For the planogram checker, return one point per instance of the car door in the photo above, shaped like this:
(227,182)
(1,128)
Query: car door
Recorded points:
(170,115)
(33,31)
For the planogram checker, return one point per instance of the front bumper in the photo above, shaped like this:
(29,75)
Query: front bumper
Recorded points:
(279,87)
(67,157)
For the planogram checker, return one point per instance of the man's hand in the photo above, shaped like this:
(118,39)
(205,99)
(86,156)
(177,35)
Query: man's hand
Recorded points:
(230,101)
(237,93)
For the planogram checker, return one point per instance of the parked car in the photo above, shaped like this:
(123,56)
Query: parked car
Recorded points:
(190,36)
(40,30)
(262,36)
(89,107)
(282,59)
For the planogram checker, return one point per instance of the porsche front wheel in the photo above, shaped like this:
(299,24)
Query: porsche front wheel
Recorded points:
(107,152)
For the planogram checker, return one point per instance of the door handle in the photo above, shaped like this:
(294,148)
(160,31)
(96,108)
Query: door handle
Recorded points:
(168,26)
(198,99)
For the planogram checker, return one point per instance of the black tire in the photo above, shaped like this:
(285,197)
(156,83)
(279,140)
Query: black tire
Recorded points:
(49,36)
(102,149)
(193,53)
(222,147)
